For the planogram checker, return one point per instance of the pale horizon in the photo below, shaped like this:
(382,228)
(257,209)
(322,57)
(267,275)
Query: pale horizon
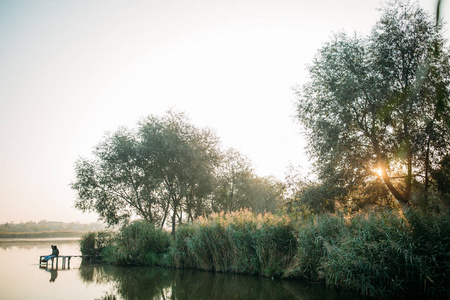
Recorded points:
(73,70)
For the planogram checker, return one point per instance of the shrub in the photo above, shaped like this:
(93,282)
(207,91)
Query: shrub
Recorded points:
(93,243)
(138,243)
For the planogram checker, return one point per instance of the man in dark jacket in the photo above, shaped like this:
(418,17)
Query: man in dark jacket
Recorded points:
(55,253)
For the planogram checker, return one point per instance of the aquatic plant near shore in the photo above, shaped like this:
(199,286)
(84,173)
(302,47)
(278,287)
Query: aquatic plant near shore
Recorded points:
(378,253)
(240,242)
(315,235)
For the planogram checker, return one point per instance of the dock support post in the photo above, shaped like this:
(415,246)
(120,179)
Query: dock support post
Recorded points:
(41,263)
(53,260)
(64,259)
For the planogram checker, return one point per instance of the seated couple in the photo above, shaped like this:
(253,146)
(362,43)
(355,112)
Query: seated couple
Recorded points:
(55,253)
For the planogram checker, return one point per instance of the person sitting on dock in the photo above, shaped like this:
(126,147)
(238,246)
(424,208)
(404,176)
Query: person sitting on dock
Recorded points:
(55,253)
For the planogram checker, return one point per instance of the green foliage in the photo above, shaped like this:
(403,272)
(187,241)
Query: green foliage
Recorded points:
(209,246)
(167,170)
(275,245)
(379,101)
(94,243)
(315,198)
(431,236)
(163,163)
(316,236)
(442,178)
(180,254)
(239,242)
(87,244)
(378,253)
(374,255)
(238,187)
(138,243)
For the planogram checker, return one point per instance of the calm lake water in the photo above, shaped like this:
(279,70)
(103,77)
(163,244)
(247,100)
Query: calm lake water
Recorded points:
(21,278)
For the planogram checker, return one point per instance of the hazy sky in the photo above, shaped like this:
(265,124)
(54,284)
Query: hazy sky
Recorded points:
(72,70)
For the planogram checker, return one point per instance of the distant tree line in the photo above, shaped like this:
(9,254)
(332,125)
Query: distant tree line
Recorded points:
(46,229)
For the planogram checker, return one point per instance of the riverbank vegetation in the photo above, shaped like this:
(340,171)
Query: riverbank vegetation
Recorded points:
(381,253)
(374,219)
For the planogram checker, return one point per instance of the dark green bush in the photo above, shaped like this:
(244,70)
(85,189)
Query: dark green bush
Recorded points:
(138,243)
(93,243)
(87,244)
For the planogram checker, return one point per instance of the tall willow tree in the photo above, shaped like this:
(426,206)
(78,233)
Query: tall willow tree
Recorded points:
(380,104)
(154,172)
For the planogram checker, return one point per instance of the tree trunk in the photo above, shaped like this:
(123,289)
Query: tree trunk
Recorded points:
(384,175)
(409,175)
(390,186)
(429,131)
(174,217)
(427,169)
(165,214)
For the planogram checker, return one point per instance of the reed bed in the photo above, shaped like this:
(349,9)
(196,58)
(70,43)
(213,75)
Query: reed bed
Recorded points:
(238,242)
(382,254)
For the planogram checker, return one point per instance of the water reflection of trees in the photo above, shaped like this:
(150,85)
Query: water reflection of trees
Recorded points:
(129,282)
(206,285)
(160,283)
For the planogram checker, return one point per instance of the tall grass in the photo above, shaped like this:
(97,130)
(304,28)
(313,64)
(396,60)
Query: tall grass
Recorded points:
(316,236)
(431,236)
(379,253)
(240,242)
(180,256)
(373,255)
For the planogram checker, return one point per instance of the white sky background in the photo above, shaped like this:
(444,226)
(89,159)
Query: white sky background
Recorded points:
(72,70)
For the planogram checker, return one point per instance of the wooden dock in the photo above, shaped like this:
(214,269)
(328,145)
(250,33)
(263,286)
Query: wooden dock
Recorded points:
(65,260)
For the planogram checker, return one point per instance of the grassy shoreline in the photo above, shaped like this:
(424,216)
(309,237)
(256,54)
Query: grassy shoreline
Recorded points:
(382,254)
